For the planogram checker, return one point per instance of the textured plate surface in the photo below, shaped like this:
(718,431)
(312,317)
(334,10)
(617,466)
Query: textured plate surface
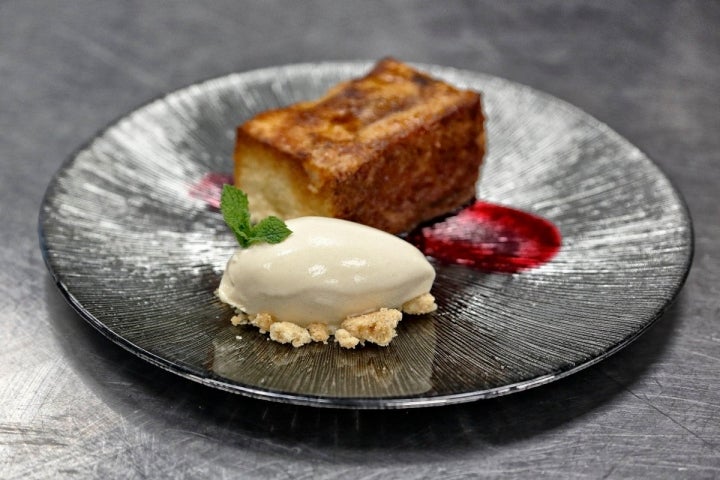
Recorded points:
(139,257)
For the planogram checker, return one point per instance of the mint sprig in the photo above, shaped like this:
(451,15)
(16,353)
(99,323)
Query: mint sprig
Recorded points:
(236,212)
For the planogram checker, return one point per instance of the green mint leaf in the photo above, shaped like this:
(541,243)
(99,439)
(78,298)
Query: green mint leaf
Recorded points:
(236,213)
(235,209)
(242,238)
(270,230)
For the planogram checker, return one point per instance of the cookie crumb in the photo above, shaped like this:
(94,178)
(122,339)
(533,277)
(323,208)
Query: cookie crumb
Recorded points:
(239,320)
(345,339)
(376,327)
(319,332)
(419,305)
(263,321)
(286,332)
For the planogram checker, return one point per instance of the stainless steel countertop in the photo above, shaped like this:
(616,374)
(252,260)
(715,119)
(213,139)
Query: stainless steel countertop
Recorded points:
(72,404)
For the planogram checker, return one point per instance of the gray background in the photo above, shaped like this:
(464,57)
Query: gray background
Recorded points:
(74,404)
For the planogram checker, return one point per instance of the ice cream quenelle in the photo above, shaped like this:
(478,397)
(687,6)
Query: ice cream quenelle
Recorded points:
(329,277)
(314,277)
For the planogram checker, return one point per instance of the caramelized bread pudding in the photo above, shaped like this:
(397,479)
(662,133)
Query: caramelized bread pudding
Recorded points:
(389,150)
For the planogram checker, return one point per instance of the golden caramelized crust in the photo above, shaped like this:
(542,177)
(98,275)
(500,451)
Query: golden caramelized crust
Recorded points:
(390,149)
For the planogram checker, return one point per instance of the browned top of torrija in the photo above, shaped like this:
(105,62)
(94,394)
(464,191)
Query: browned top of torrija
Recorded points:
(334,135)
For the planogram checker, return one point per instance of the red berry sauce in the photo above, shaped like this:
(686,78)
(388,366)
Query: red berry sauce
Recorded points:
(491,238)
(210,187)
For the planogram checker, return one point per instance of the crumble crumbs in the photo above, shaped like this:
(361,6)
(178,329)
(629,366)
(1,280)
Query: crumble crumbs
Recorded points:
(263,321)
(319,332)
(424,303)
(286,332)
(377,327)
(345,339)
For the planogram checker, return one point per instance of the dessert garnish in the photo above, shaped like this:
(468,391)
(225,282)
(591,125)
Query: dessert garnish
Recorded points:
(236,213)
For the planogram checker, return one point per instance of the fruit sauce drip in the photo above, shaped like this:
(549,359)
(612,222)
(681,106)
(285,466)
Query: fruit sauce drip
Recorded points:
(491,238)
(209,188)
(485,236)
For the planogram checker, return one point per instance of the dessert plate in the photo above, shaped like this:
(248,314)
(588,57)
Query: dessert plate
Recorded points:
(138,252)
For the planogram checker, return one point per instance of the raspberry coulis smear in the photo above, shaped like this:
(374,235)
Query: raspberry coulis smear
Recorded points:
(491,238)
(209,188)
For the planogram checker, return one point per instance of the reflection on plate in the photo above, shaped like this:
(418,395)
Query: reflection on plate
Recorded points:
(139,255)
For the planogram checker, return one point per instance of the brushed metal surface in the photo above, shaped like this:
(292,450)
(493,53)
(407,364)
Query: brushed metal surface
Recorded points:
(73,404)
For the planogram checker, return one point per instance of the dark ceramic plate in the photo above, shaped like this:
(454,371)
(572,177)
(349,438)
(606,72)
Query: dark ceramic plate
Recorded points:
(139,256)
